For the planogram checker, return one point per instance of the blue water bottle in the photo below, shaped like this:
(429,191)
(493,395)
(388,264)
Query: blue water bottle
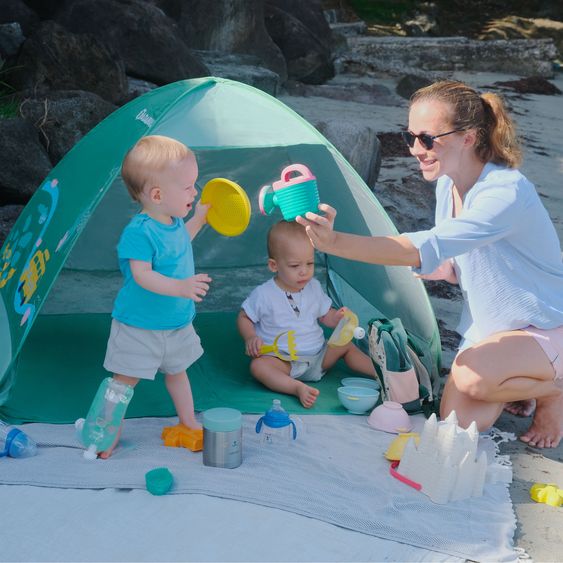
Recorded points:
(15,442)
(99,430)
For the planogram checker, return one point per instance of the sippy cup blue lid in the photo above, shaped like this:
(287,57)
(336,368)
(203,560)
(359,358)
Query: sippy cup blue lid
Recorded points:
(276,417)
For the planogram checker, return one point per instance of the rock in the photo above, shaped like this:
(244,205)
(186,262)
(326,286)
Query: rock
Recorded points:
(137,87)
(392,144)
(11,39)
(531,85)
(17,11)
(358,145)
(231,26)
(243,68)
(303,36)
(24,161)
(410,83)
(355,139)
(64,117)
(8,216)
(420,55)
(341,90)
(56,59)
(349,29)
(148,41)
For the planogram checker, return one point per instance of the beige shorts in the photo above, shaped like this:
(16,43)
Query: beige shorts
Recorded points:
(551,341)
(309,368)
(140,353)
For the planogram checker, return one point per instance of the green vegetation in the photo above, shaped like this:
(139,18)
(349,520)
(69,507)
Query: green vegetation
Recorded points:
(8,106)
(382,11)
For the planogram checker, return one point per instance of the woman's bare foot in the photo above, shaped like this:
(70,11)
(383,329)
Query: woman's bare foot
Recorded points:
(546,430)
(307,395)
(521,408)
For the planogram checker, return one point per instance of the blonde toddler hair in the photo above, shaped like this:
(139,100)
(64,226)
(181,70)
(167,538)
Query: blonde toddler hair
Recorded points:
(150,155)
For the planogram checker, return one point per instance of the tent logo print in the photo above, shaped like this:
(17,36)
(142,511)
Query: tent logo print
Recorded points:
(144,117)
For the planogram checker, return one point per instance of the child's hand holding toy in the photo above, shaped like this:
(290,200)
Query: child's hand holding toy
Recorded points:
(253,345)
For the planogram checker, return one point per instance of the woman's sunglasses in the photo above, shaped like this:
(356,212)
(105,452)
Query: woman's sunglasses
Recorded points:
(426,140)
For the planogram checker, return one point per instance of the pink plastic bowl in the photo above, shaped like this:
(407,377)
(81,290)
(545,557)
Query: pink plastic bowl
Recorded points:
(390,417)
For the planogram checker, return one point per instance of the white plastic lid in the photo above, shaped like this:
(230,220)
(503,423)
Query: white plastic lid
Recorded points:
(359,333)
(90,453)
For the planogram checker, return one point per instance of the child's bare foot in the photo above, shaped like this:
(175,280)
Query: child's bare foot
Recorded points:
(191,423)
(546,430)
(107,453)
(521,408)
(307,395)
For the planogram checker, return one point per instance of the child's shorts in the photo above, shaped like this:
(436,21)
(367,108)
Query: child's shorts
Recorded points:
(140,353)
(551,341)
(309,368)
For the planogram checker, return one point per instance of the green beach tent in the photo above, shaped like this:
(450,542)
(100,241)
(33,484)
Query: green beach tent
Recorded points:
(59,272)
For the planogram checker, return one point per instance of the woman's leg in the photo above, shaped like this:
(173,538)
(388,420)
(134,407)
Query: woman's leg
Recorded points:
(509,366)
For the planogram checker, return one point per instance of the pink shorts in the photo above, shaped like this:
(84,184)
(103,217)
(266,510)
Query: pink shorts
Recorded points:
(551,341)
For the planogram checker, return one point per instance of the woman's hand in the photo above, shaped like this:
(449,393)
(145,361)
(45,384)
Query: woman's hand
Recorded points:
(320,228)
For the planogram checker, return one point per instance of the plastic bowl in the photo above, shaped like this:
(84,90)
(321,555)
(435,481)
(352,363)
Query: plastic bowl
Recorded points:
(357,400)
(360,382)
(390,417)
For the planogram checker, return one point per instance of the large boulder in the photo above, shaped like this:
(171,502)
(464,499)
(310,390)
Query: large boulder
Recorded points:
(231,26)
(24,161)
(64,117)
(8,216)
(148,41)
(11,39)
(56,59)
(17,11)
(302,33)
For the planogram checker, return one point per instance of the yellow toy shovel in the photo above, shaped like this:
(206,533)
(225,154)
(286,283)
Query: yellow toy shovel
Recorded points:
(275,349)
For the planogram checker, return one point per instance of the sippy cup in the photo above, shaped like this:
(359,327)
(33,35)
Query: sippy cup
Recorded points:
(294,195)
(276,427)
(346,329)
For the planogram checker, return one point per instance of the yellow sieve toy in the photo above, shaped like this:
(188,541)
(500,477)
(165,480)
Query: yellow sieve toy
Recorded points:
(230,208)
(548,493)
(275,349)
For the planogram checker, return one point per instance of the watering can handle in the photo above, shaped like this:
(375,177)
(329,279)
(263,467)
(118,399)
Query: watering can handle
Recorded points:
(301,168)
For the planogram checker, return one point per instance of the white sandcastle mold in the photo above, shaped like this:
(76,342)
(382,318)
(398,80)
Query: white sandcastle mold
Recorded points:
(446,464)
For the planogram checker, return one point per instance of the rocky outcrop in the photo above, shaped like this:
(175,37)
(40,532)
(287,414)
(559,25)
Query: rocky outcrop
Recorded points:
(149,42)
(231,26)
(304,37)
(56,59)
(24,161)
(421,55)
(17,11)
(63,118)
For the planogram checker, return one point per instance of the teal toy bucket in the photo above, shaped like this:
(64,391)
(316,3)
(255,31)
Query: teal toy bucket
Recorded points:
(293,195)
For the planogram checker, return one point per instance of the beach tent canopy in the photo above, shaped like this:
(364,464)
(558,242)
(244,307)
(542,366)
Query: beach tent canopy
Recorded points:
(58,267)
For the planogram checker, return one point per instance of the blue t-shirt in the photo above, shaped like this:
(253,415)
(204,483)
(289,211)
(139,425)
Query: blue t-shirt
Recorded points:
(169,249)
(507,255)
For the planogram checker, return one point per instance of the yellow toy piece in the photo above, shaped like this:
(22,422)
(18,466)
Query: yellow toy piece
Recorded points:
(397,447)
(230,208)
(181,436)
(346,329)
(274,348)
(547,494)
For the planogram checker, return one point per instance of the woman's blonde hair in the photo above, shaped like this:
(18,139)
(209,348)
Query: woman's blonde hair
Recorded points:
(497,141)
(148,156)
